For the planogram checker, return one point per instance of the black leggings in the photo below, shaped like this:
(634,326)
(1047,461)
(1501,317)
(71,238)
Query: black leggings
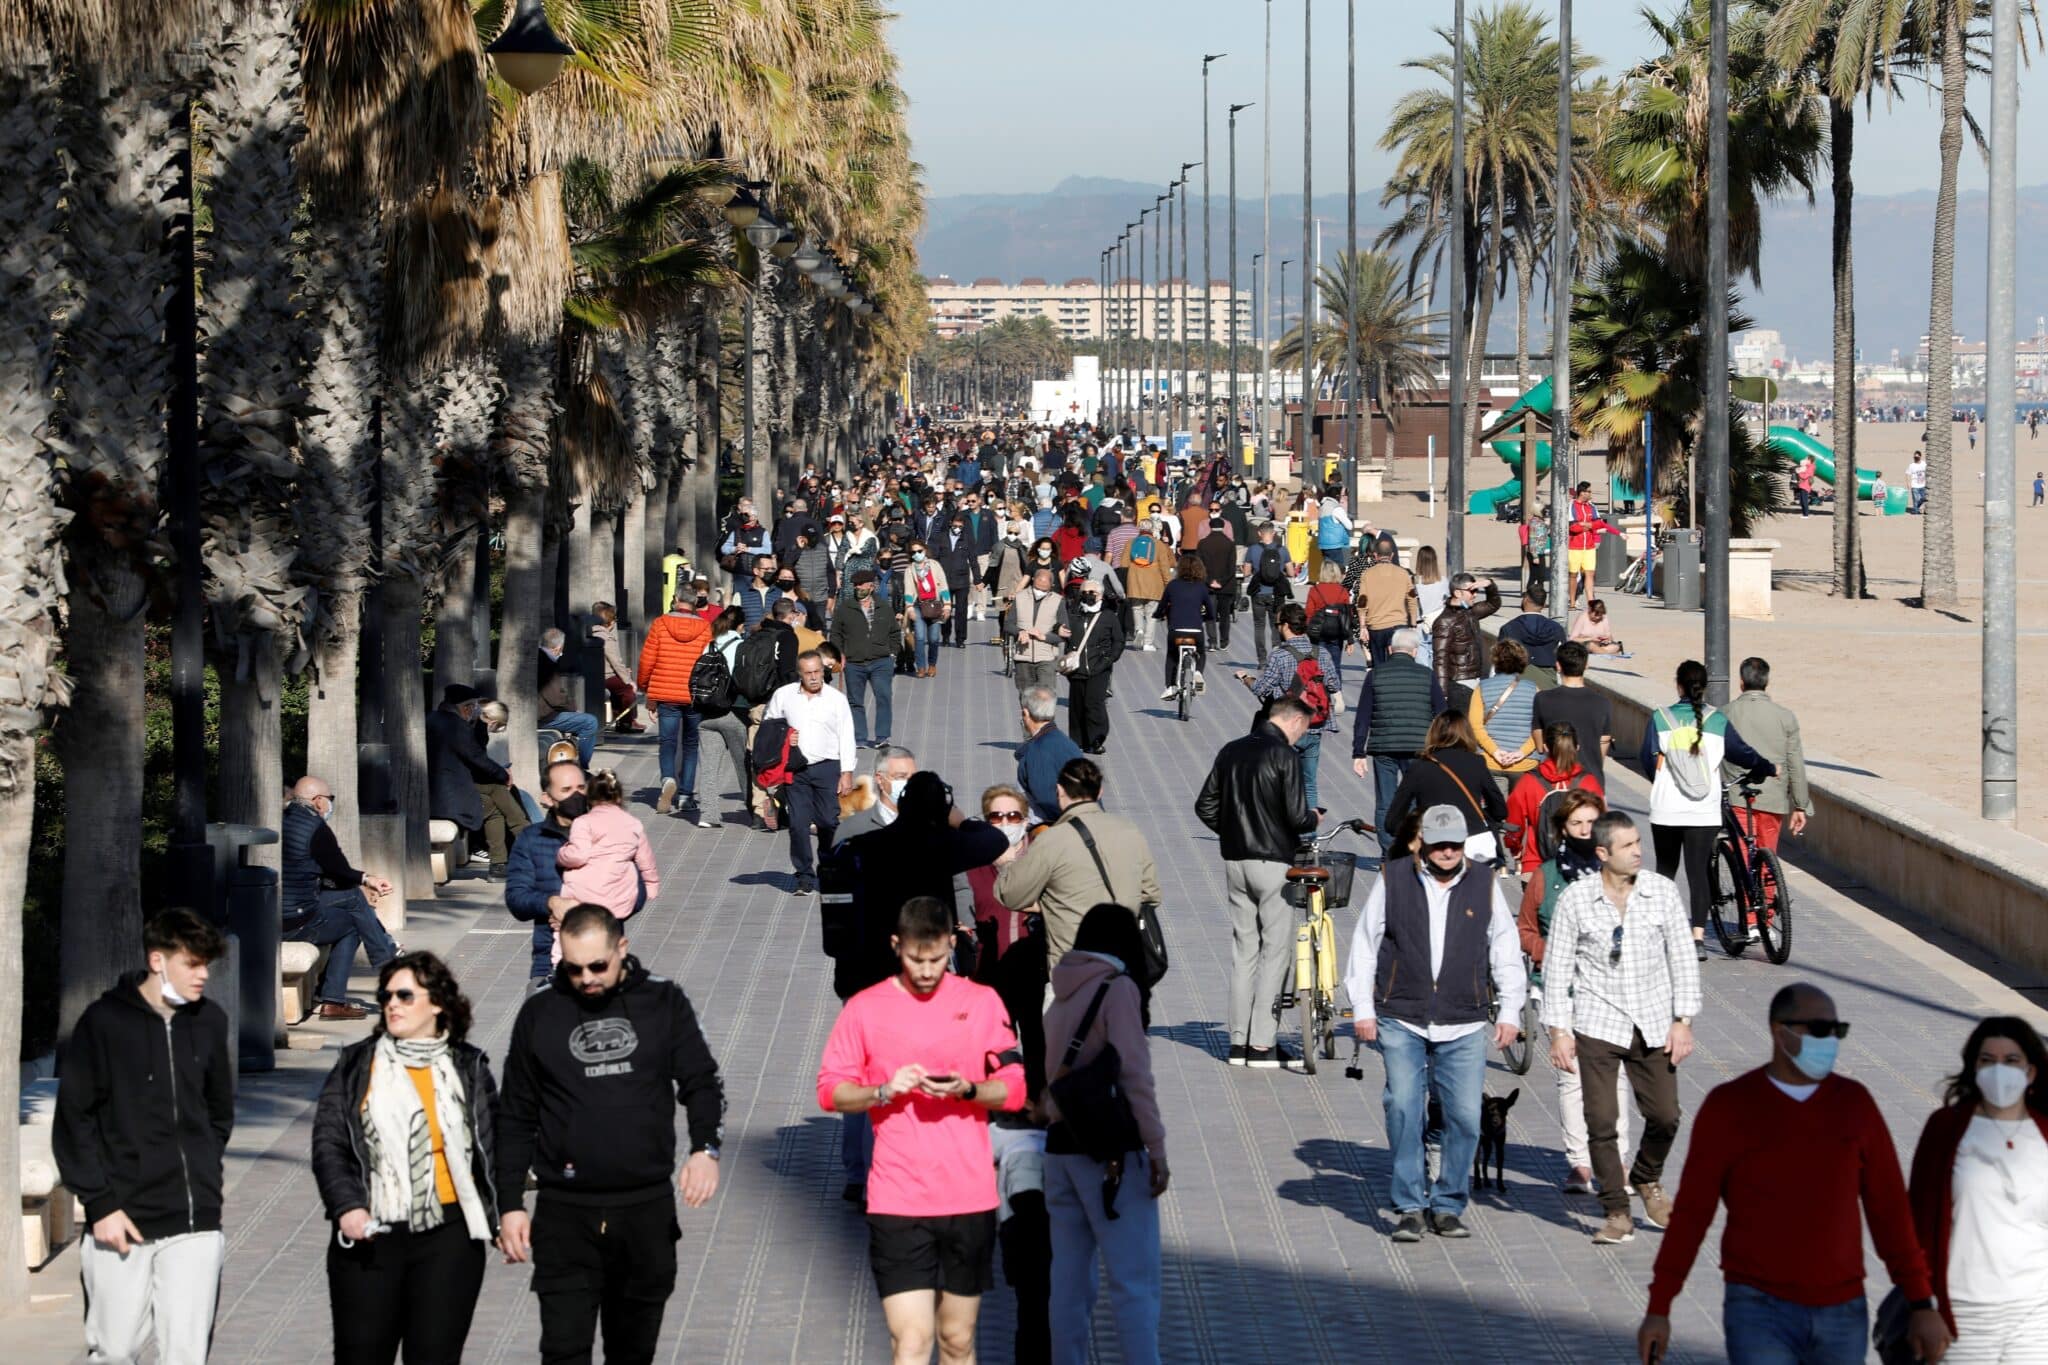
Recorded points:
(1697,843)
(405,1288)
(1173,643)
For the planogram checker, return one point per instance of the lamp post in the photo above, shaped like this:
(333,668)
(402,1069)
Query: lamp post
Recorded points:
(1259,340)
(1187,374)
(1305,457)
(1125,313)
(1454,520)
(529,53)
(1162,209)
(1276,376)
(1208,270)
(1350,264)
(1102,327)
(1714,370)
(1999,785)
(1166,274)
(1139,285)
(1230,435)
(1263,285)
(1561,463)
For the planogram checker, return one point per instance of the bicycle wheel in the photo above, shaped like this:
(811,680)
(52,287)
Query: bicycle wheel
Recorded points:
(1310,1003)
(1730,896)
(1326,986)
(1775,921)
(1184,683)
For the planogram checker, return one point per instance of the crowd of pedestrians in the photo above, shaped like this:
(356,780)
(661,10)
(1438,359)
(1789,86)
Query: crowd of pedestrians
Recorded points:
(996,953)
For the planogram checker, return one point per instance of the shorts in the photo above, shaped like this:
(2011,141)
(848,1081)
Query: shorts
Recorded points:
(952,1253)
(1581,561)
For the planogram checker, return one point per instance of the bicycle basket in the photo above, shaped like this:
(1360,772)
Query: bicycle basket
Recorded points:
(1342,867)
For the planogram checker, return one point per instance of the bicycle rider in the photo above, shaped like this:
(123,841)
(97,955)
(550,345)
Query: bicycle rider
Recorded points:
(1187,606)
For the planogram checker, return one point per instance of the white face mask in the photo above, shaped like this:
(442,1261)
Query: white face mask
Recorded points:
(171,996)
(896,786)
(2002,1085)
(1014,832)
(1091,604)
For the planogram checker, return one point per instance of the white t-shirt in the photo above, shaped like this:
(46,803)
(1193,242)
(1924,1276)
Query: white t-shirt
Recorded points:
(1802,1093)
(1998,1236)
(1916,474)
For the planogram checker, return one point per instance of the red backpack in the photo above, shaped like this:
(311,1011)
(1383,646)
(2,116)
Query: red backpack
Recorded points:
(1310,690)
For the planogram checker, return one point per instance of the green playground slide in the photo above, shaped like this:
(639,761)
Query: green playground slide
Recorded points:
(1488,500)
(1795,445)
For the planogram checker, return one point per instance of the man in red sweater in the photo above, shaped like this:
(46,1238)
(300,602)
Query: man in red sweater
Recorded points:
(1794,1151)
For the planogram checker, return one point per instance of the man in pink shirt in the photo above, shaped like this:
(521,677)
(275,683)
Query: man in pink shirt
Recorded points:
(927,1054)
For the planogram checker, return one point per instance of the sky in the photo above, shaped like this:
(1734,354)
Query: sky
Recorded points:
(1014,97)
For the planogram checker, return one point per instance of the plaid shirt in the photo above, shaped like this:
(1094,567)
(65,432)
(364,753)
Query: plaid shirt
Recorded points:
(1656,980)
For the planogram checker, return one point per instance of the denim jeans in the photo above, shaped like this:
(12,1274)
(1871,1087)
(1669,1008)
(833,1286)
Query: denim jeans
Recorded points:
(1333,665)
(1387,772)
(1763,1330)
(580,726)
(344,918)
(1456,1071)
(679,719)
(881,675)
(1265,625)
(1310,747)
(1127,1247)
(856,1147)
(926,634)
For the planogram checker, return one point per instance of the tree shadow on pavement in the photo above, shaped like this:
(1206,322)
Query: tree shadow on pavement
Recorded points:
(1203,1035)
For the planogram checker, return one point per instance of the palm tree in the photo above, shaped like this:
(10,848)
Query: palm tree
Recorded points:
(1367,296)
(1636,327)
(1511,139)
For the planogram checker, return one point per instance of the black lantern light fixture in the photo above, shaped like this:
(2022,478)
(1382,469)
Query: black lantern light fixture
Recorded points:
(528,53)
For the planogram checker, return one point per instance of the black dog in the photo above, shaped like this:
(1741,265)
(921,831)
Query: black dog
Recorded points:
(1493,1139)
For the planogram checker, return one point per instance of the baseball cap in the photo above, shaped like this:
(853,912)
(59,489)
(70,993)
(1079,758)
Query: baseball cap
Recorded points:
(1443,825)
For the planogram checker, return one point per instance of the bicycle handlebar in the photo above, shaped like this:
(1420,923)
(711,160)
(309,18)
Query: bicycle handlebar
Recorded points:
(1315,839)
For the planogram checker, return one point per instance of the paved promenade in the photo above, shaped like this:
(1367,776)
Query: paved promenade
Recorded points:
(1275,1229)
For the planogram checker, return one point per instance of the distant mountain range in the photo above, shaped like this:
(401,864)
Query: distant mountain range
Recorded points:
(1059,235)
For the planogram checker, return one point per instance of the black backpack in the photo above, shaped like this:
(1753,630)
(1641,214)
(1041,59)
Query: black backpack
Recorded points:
(1271,572)
(753,671)
(1331,624)
(712,690)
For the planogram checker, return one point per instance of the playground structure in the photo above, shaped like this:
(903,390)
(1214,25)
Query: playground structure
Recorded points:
(1790,442)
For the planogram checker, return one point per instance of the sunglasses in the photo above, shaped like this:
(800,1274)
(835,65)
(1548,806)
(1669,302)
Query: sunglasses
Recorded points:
(1006,817)
(1819,1028)
(575,969)
(1614,952)
(404,995)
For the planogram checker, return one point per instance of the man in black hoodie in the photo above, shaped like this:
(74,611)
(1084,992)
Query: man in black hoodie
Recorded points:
(596,1063)
(144,1109)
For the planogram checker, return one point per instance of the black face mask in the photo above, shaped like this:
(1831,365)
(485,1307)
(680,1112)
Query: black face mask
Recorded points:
(1443,874)
(573,807)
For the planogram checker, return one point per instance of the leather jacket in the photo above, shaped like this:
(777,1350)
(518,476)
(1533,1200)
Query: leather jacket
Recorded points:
(339,1149)
(1461,651)
(1254,800)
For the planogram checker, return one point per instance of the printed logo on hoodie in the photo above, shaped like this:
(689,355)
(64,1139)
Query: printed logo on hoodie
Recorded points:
(603,1045)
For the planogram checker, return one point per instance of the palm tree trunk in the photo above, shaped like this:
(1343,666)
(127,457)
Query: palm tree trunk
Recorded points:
(590,559)
(761,473)
(1937,522)
(101,744)
(1848,553)
(405,724)
(703,475)
(455,615)
(331,711)
(1525,288)
(32,573)
(522,449)
(252,769)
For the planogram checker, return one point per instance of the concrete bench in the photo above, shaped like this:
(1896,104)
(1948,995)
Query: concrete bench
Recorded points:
(299,967)
(49,1217)
(450,848)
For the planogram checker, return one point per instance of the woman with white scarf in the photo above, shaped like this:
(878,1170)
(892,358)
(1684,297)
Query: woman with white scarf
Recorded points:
(402,1152)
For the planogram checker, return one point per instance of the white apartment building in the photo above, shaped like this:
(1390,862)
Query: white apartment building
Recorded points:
(1077,308)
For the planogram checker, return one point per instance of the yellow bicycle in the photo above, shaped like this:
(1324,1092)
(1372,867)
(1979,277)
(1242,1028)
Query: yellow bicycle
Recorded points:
(1318,883)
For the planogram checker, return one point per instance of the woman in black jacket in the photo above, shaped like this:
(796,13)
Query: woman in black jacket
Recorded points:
(403,1144)
(1451,772)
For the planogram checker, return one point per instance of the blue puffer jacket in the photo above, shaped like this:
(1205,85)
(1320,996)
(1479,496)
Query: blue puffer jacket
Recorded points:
(531,876)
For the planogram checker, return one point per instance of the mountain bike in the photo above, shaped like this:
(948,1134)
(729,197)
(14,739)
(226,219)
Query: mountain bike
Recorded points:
(1318,883)
(1750,897)
(1519,1054)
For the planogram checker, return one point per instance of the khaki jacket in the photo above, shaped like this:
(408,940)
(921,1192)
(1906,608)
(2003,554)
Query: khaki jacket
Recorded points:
(1386,598)
(1773,732)
(1042,617)
(1059,875)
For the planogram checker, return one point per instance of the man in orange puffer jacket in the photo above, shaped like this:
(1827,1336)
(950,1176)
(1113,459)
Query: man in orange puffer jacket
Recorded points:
(674,644)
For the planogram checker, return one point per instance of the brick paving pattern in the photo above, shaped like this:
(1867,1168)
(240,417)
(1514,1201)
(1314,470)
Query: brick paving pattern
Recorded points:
(1275,1229)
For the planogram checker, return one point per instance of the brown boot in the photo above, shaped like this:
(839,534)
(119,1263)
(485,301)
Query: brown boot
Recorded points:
(330,1009)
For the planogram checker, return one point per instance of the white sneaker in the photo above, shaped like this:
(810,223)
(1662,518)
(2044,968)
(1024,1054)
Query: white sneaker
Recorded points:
(1169,694)
(666,802)
(1198,684)
(1151,648)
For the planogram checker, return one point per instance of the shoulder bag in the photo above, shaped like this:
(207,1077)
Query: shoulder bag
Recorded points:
(1093,1105)
(1481,847)
(1151,933)
(1070,662)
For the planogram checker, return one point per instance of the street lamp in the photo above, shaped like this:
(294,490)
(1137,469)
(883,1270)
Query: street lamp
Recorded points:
(1259,340)
(1208,271)
(1280,321)
(785,245)
(743,208)
(1187,374)
(1236,443)
(528,53)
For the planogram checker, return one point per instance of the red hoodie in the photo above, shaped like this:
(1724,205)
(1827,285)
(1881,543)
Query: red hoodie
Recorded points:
(1525,802)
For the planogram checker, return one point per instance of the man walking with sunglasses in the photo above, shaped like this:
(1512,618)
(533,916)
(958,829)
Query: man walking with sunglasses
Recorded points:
(596,1066)
(1801,1157)
(1622,984)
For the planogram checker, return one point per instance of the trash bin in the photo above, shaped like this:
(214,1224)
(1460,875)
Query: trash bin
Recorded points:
(1678,571)
(258,931)
(1610,559)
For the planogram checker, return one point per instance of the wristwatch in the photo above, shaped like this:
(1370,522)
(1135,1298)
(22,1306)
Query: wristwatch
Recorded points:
(1927,1305)
(1684,1019)
(709,1149)
(973,1089)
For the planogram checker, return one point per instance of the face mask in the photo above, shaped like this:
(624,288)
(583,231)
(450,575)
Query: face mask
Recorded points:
(573,806)
(1444,874)
(171,996)
(2001,1085)
(1014,832)
(1817,1056)
(896,786)
(864,593)
(1581,847)
(917,555)
(1091,604)
(327,814)
(786,584)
